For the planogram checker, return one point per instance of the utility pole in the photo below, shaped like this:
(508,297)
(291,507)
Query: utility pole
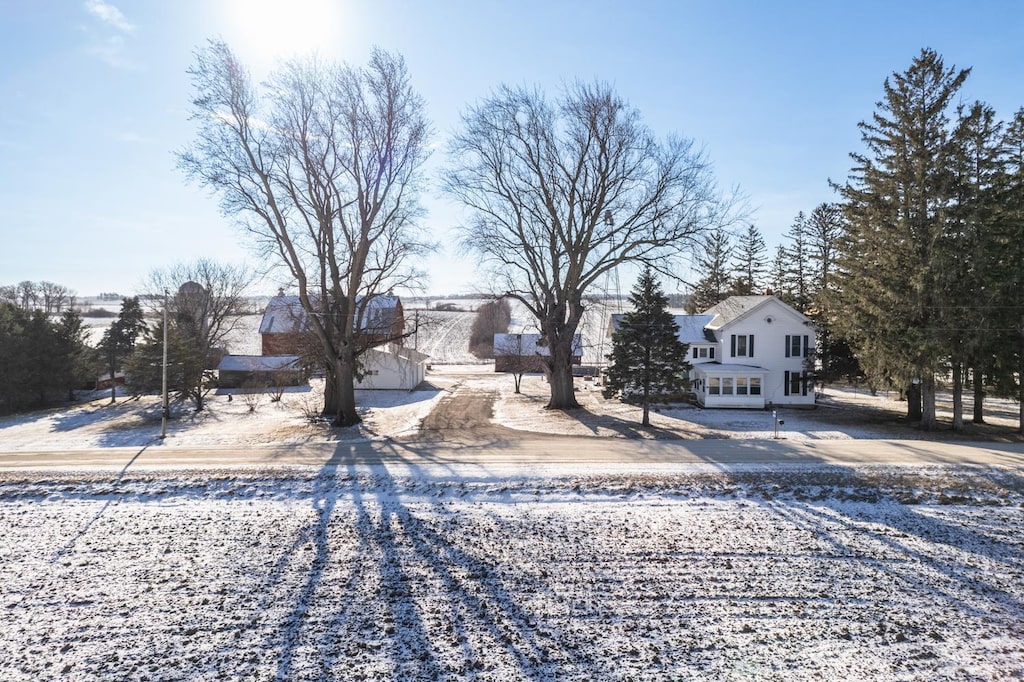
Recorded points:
(166,406)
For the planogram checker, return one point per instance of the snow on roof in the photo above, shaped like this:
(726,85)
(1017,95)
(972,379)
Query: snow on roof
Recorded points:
(408,354)
(729,367)
(257,363)
(285,314)
(527,344)
(691,327)
(733,308)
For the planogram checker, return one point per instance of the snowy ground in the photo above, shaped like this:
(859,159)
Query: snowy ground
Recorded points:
(842,414)
(659,572)
(803,574)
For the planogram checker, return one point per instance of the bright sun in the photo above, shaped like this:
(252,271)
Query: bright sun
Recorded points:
(274,29)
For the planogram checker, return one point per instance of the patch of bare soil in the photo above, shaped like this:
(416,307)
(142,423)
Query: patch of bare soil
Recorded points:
(462,412)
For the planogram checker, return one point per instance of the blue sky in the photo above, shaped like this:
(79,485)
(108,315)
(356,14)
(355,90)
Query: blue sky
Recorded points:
(96,96)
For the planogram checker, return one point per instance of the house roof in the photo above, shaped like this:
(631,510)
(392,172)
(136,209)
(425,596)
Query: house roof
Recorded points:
(736,307)
(409,354)
(733,308)
(712,367)
(509,344)
(258,363)
(691,327)
(285,314)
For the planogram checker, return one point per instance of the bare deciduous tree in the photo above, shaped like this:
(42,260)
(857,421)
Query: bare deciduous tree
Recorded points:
(206,303)
(323,165)
(562,193)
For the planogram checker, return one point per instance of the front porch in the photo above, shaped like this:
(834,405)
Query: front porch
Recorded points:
(729,386)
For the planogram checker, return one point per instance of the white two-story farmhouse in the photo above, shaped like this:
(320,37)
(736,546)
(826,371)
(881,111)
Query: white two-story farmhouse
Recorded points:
(753,354)
(749,352)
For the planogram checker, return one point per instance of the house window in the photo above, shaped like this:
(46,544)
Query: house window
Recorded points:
(701,353)
(727,386)
(755,385)
(796,383)
(714,386)
(741,385)
(796,345)
(742,345)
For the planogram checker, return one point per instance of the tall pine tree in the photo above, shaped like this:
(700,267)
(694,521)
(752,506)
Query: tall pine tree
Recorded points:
(647,358)
(750,263)
(798,267)
(896,206)
(1009,225)
(972,251)
(714,286)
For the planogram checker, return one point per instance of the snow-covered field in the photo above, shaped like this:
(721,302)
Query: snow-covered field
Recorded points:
(803,574)
(661,572)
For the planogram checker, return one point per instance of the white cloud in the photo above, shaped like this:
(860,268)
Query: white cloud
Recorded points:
(107,39)
(109,15)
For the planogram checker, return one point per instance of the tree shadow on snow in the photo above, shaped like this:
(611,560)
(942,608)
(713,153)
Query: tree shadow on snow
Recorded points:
(407,600)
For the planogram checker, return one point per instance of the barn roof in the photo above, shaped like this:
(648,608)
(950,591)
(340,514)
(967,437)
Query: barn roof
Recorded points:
(509,344)
(285,314)
(258,363)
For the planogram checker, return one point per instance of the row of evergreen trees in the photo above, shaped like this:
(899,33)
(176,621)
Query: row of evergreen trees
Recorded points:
(930,276)
(42,359)
(916,276)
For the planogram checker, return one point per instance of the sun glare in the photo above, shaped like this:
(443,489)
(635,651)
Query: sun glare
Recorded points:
(269,30)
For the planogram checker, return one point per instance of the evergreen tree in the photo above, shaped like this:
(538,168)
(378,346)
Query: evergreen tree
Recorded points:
(647,358)
(76,360)
(972,252)
(185,372)
(797,264)
(824,229)
(751,263)
(40,360)
(1009,226)
(713,262)
(778,275)
(119,339)
(896,208)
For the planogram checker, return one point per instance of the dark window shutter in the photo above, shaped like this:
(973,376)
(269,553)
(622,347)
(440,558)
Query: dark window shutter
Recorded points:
(750,346)
(805,350)
(712,353)
(803,382)
(732,352)
(787,345)
(785,383)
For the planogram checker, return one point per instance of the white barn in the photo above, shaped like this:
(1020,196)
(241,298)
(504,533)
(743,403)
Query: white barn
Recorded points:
(392,367)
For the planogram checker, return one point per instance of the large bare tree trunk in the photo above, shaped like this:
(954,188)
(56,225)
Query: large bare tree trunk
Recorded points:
(346,414)
(563,397)
(340,395)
